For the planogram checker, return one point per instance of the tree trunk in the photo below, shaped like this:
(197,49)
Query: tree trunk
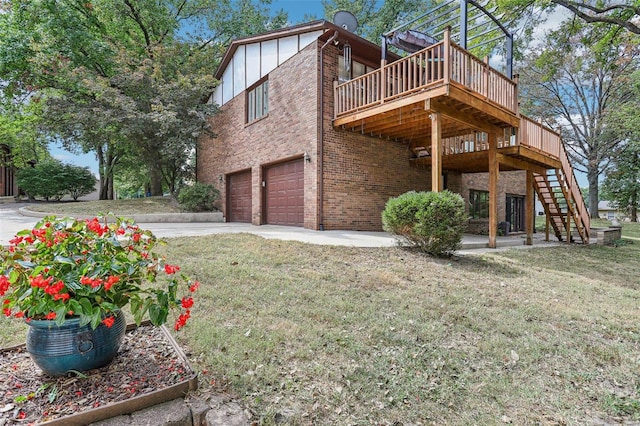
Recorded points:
(155,177)
(592,176)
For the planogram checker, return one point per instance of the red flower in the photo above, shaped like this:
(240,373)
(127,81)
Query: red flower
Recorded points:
(120,231)
(171,269)
(136,237)
(22,415)
(40,234)
(95,226)
(4,285)
(110,282)
(54,289)
(17,240)
(187,302)
(108,321)
(40,281)
(63,296)
(19,314)
(182,320)
(7,312)
(194,286)
(50,316)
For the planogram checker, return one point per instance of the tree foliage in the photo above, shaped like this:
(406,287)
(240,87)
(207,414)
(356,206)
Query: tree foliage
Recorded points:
(619,14)
(621,185)
(51,179)
(375,18)
(125,78)
(573,82)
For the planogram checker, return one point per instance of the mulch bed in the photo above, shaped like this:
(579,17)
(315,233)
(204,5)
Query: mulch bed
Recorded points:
(145,363)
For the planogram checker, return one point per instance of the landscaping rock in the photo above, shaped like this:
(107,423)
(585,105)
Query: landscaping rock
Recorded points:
(172,413)
(225,413)
(199,411)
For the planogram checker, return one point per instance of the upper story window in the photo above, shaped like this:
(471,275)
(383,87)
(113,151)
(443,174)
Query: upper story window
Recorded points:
(258,101)
(355,70)
(478,204)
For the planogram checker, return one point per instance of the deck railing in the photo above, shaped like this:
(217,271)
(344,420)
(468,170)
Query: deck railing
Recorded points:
(536,136)
(431,67)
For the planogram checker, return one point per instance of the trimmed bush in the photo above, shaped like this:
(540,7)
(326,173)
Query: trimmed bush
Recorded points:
(51,179)
(432,221)
(198,197)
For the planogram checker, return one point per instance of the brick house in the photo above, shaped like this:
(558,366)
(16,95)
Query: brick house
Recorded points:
(306,138)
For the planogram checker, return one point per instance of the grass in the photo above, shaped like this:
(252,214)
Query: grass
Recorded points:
(117,207)
(305,334)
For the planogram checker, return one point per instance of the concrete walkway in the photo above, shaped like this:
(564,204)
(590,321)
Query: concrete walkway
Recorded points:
(15,217)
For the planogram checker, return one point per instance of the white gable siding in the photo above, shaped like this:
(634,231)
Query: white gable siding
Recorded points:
(253,61)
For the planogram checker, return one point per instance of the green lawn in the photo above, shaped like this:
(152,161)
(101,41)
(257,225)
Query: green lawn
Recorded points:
(117,207)
(306,334)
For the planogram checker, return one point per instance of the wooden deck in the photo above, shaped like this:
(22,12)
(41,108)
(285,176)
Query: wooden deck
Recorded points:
(450,108)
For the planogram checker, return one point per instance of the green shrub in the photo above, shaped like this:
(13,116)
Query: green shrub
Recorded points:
(79,181)
(51,179)
(431,221)
(198,197)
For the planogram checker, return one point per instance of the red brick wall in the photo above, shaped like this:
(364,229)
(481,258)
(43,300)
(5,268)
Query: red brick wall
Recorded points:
(288,131)
(361,173)
(508,183)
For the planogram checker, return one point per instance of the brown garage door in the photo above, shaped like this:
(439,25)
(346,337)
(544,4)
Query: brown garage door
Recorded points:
(239,199)
(284,194)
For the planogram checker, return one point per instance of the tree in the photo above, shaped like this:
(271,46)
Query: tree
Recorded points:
(574,82)
(374,20)
(116,67)
(621,185)
(620,15)
(19,129)
(79,181)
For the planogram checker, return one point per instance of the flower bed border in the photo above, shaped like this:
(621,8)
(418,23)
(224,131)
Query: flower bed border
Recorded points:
(127,406)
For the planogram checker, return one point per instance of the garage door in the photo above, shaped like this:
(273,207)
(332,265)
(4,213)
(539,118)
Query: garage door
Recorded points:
(239,203)
(284,194)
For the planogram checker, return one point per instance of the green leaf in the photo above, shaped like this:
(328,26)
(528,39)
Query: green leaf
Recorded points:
(157,314)
(64,260)
(96,318)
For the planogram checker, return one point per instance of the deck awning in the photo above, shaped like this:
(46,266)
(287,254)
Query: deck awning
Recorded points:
(410,40)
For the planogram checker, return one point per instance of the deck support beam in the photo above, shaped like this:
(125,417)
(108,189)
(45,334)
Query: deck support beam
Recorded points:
(436,152)
(530,214)
(494,170)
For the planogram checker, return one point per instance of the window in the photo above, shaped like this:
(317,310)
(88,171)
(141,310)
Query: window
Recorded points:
(478,204)
(355,70)
(611,215)
(258,101)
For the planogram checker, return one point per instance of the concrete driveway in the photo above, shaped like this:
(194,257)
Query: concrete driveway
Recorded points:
(12,221)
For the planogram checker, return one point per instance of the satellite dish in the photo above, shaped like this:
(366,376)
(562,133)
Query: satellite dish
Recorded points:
(346,20)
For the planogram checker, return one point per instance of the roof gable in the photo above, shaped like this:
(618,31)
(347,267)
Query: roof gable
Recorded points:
(249,59)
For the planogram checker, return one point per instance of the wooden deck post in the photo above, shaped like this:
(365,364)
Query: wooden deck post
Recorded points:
(383,80)
(436,152)
(447,55)
(546,226)
(530,213)
(568,226)
(494,169)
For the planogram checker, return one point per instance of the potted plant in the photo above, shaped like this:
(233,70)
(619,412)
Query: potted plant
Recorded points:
(69,279)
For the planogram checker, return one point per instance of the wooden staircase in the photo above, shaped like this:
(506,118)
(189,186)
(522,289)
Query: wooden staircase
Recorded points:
(565,213)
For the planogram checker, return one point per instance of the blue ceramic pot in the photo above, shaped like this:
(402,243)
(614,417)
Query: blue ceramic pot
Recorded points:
(60,349)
